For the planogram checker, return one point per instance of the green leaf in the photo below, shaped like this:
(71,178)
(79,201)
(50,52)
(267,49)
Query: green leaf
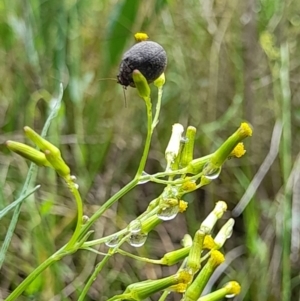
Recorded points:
(119,29)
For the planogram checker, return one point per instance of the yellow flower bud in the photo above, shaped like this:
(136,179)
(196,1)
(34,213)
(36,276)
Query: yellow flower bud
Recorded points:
(230,289)
(233,288)
(182,206)
(28,152)
(51,152)
(160,81)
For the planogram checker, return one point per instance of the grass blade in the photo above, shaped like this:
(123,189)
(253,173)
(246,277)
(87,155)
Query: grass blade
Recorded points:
(30,176)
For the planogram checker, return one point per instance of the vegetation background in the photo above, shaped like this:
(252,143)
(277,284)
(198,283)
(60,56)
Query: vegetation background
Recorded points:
(228,61)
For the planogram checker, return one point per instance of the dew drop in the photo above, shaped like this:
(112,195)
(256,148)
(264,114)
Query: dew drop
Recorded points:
(135,226)
(230,296)
(168,213)
(85,219)
(112,242)
(137,239)
(144,181)
(211,173)
(184,140)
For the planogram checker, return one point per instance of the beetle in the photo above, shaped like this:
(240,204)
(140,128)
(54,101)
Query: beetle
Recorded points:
(148,57)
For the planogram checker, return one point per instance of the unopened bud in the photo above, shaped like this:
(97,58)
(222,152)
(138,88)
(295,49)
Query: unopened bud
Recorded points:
(141,84)
(28,152)
(212,218)
(173,147)
(224,233)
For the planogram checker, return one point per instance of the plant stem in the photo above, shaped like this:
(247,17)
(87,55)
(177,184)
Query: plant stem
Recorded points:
(106,205)
(143,259)
(136,179)
(35,273)
(286,166)
(78,199)
(98,269)
(29,179)
(157,110)
(148,138)
(93,277)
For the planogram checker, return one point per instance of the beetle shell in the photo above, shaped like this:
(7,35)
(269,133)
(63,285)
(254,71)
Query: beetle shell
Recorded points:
(148,57)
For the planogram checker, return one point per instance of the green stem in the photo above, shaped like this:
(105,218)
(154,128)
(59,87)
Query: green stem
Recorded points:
(76,194)
(93,277)
(148,138)
(107,204)
(286,167)
(35,273)
(164,296)
(101,240)
(99,267)
(143,259)
(137,177)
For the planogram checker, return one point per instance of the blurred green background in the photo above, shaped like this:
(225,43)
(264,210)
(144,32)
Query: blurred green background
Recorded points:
(228,61)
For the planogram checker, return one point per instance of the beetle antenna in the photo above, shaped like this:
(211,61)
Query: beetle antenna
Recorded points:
(124,93)
(107,78)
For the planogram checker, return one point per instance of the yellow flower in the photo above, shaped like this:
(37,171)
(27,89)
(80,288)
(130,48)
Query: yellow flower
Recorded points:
(209,242)
(233,287)
(245,129)
(216,257)
(182,206)
(238,151)
(179,288)
(141,36)
(189,186)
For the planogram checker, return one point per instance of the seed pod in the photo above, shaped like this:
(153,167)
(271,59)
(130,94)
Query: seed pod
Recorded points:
(148,57)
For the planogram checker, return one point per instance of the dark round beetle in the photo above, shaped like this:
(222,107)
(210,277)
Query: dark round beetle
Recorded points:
(148,57)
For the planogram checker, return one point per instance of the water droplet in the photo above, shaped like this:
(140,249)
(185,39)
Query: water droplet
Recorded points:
(137,239)
(144,174)
(230,296)
(211,173)
(184,140)
(135,226)
(113,241)
(170,192)
(167,213)
(85,219)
